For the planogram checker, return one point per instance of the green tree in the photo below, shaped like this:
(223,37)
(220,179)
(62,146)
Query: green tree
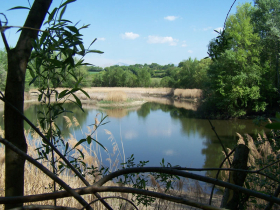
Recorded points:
(187,73)
(98,79)
(143,77)
(267,24)
(128,79)
(236,75)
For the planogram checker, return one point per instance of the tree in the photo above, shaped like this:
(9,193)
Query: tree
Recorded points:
(266,19)
(188,69)
(14,93)
(236,75)
(143,77)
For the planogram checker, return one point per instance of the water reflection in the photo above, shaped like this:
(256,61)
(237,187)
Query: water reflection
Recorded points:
(157,131)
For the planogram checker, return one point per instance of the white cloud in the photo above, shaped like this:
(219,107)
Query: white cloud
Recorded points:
(101,39)
(184,44)
(130,35)
(219,29)
(162,40)
(129,135)
(206,29)
(159,132)
(170,18)
(190,51)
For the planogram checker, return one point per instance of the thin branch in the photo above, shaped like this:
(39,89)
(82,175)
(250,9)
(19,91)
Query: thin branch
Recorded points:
(217,175)
(46,171)
(277,161)
(4,38)
(4,28)
(117,197)
(270,204)
(226,169)
(88,190)
(186,175)
(96,188)
(213,128)
(228,14)
(39,207)
(78,174)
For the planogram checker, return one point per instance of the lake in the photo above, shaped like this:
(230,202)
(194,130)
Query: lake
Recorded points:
(153,132)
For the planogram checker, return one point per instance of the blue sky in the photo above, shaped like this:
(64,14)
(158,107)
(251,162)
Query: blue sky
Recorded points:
(138,31)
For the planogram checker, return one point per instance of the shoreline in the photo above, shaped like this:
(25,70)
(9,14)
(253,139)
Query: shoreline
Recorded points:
(181,98)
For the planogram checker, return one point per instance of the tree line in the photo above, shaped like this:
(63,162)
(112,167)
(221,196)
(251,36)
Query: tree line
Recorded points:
(240,76)
(188,74)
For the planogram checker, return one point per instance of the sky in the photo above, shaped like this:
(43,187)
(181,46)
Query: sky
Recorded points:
(138,31)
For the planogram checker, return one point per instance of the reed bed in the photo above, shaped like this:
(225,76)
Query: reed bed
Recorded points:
(116,96)
(99,93)
(188,93)
(261,151)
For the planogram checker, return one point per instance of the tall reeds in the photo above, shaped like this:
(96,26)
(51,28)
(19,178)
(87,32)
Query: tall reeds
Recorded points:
(262,153)
(116,96)
(188,93)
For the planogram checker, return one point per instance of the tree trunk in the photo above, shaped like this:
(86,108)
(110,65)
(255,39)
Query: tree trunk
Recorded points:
(231,199)
(14,94)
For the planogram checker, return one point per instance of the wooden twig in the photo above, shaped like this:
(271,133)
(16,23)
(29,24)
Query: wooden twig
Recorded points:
(46,171)
(39,207)
(213,128)
(109,197)
(270,204)
(217,175)
(92,189)
(4,39)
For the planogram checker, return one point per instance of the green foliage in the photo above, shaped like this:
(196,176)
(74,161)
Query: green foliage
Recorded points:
(140,180)
(193,73)
(236,75)
(267,24)
(3,69)
(52,64)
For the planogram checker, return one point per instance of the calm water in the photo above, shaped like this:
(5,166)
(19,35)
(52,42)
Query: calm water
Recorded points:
(157,131)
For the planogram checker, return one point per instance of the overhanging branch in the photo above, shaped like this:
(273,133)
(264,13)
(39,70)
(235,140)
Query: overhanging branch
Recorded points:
(46,171)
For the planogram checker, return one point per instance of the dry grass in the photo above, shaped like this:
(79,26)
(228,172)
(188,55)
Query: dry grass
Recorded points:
(99,93)
(188,93)
(116,96)
(260,150)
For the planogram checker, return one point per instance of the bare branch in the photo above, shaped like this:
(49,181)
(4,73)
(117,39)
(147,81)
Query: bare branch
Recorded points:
(38,207)
(270,204)
(3,35)
(88,190)
(225,151)
(46,171)
(117,197)
(217,175)
(187,175)
(228,14)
